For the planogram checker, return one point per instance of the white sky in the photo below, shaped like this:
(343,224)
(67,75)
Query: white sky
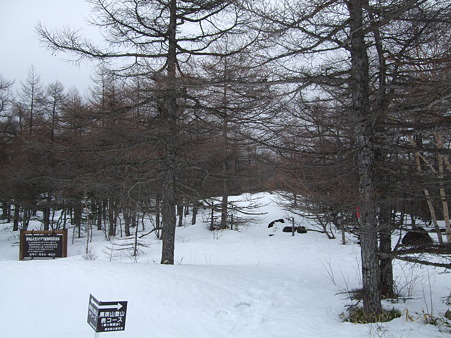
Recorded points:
(20,46)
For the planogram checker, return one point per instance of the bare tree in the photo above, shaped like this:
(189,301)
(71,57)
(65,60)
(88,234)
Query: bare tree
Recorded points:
(157,37)
(5,95)
(31,97)
(336,52)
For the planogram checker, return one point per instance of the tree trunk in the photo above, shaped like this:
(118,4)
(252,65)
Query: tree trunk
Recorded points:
(26,215)
(225,152)
(224,210)
(365,159)
(168,209)
(99,216)
(194,217)
(6,210)
(77,219)
(46,217)
(443,197)
(104,212)
(169,116)
(157,215)
(135,219)
(385,232)
(386,266)
(9,213)
(180,214)
(112,219)
(212,217)
(16,217)
(127,221)
(426,192)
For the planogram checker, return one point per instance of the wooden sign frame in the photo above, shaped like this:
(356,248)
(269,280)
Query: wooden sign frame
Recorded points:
(40,244)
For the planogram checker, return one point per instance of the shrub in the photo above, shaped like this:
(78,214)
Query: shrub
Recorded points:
(358,316)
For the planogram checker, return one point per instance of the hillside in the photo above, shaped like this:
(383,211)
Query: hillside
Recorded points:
(252,282)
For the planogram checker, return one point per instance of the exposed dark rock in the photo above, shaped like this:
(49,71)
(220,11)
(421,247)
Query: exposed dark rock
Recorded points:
(281,220)
(417,236)
(299,229)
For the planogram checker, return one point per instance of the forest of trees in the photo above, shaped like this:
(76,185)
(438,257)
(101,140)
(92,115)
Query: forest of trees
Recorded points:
(343,106)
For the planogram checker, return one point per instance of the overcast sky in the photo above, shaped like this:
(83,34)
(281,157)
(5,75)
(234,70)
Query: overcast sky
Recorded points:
(20,47)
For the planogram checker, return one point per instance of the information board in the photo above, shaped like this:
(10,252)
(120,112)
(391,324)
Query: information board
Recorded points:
(43,244)
(106,316)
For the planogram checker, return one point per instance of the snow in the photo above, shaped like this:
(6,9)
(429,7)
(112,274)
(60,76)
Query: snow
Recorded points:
(255,282)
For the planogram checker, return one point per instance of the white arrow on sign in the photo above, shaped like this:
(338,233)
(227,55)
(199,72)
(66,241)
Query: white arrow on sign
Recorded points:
(117,306)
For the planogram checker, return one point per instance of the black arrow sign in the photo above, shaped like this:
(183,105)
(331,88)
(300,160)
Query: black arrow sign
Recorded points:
(106,316)
(107,305)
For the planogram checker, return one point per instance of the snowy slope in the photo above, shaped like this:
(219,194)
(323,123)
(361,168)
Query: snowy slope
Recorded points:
(242,283)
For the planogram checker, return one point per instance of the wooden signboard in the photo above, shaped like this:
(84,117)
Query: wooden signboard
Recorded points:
(43,244)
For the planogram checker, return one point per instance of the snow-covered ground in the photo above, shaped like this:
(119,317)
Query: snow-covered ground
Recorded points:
(255,282)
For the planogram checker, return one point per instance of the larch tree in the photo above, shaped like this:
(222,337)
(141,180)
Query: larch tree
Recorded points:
(157,38)
(236,100)
(5,95)
(322,48)
(31,98)
(52,111)
(7,131)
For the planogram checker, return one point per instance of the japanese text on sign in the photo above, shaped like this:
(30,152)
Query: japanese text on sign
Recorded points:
(43,244)
(106,316)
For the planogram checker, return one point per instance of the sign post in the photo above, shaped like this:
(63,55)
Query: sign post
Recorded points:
(106,316)
(43,244)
